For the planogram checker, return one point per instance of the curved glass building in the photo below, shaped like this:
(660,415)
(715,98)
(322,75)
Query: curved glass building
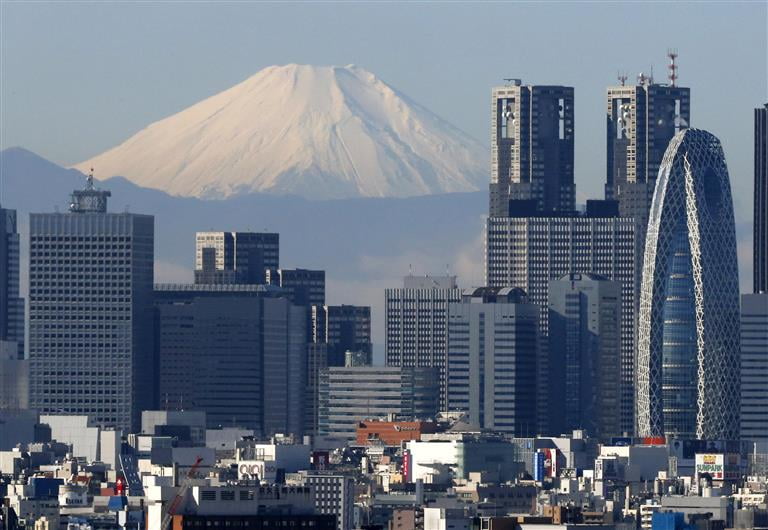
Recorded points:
(688,329)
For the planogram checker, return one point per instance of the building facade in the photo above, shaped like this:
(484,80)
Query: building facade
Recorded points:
(342,328)
(417,324)
(585,354)
(302,286)
(528,252)
(760,247)
(688,342)
(90,311)
(235,257)
(641,120)
(236,352)
(492,353)
(532,133)
(754,367)
(11,304)
(348,395)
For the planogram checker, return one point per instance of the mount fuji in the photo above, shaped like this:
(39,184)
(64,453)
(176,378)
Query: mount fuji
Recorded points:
(316,132)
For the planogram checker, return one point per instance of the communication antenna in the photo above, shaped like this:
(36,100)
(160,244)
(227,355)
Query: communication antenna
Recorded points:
(672,54)
(622,77)
(650,77)
(89,180)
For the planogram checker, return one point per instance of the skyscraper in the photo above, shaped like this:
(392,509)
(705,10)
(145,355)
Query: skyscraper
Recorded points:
(236,352)
(754,367)
(90,311)
(527,252)
(641,119)
(760,284)
(585,358)
(235,257)
(304,287)
(531,147)
(342,328)
(417,324)
(688,342)
(492,350)
(11,305)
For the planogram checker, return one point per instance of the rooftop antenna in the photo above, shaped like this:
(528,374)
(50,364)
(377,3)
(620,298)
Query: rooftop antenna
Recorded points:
(512,81)
(89,180)
(622,77)
(650,76)
(672,54)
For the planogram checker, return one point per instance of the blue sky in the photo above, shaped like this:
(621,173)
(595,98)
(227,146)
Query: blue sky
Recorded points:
(80,77)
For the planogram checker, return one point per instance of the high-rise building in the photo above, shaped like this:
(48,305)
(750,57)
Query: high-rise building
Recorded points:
(492,351)
(585,354)
(532,131)
(754,367)
(417,324)
(334,495)
(528,252)
(235,257)
(90,311)
(304,287)
(688,329)
(350,394)
(11,305)
(236,352)
(342,328)
(641,120)
(760,284)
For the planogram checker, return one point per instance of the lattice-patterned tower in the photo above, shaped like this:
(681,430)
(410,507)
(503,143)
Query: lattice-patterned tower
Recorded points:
(688,333)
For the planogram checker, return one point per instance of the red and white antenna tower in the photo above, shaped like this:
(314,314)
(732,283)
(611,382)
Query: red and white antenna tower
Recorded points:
(672,54)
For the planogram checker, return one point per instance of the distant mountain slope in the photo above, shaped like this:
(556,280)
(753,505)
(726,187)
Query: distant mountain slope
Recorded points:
(364,244)
(317,132)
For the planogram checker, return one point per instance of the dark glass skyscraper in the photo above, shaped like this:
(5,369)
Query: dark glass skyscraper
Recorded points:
(761,200)
(688,331)
(11,305)
(532,147)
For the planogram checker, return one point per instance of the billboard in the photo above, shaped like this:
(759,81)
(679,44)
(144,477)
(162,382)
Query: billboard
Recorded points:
(545,464)
(257,470)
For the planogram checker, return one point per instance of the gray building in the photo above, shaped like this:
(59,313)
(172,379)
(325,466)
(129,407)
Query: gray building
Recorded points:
(236,352)
(90,311)
(235,257)
(585,355)
(416,322)
(11,304)
(334,495)
(754,367)
(529,252)
(532,132)
(641,120)
(492,352)
(348,395)
(342,328)
(761,201)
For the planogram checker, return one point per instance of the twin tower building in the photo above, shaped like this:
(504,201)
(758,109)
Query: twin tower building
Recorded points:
(664,233)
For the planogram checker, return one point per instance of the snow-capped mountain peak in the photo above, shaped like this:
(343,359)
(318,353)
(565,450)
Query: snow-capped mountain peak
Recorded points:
(319,132)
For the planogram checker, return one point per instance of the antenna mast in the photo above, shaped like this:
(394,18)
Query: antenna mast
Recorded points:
(672,54)
(622,77)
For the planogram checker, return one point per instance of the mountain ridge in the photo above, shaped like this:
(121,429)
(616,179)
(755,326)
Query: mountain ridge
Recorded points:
(318,132)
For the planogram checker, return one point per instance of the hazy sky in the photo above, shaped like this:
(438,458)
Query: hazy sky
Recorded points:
(78,78)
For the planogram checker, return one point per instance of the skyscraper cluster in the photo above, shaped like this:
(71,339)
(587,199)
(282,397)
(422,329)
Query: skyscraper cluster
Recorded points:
(621,316)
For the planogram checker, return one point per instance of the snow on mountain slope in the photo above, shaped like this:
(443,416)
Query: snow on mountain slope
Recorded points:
(318,132)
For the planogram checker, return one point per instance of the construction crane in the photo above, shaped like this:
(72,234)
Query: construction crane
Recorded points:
(180,495)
